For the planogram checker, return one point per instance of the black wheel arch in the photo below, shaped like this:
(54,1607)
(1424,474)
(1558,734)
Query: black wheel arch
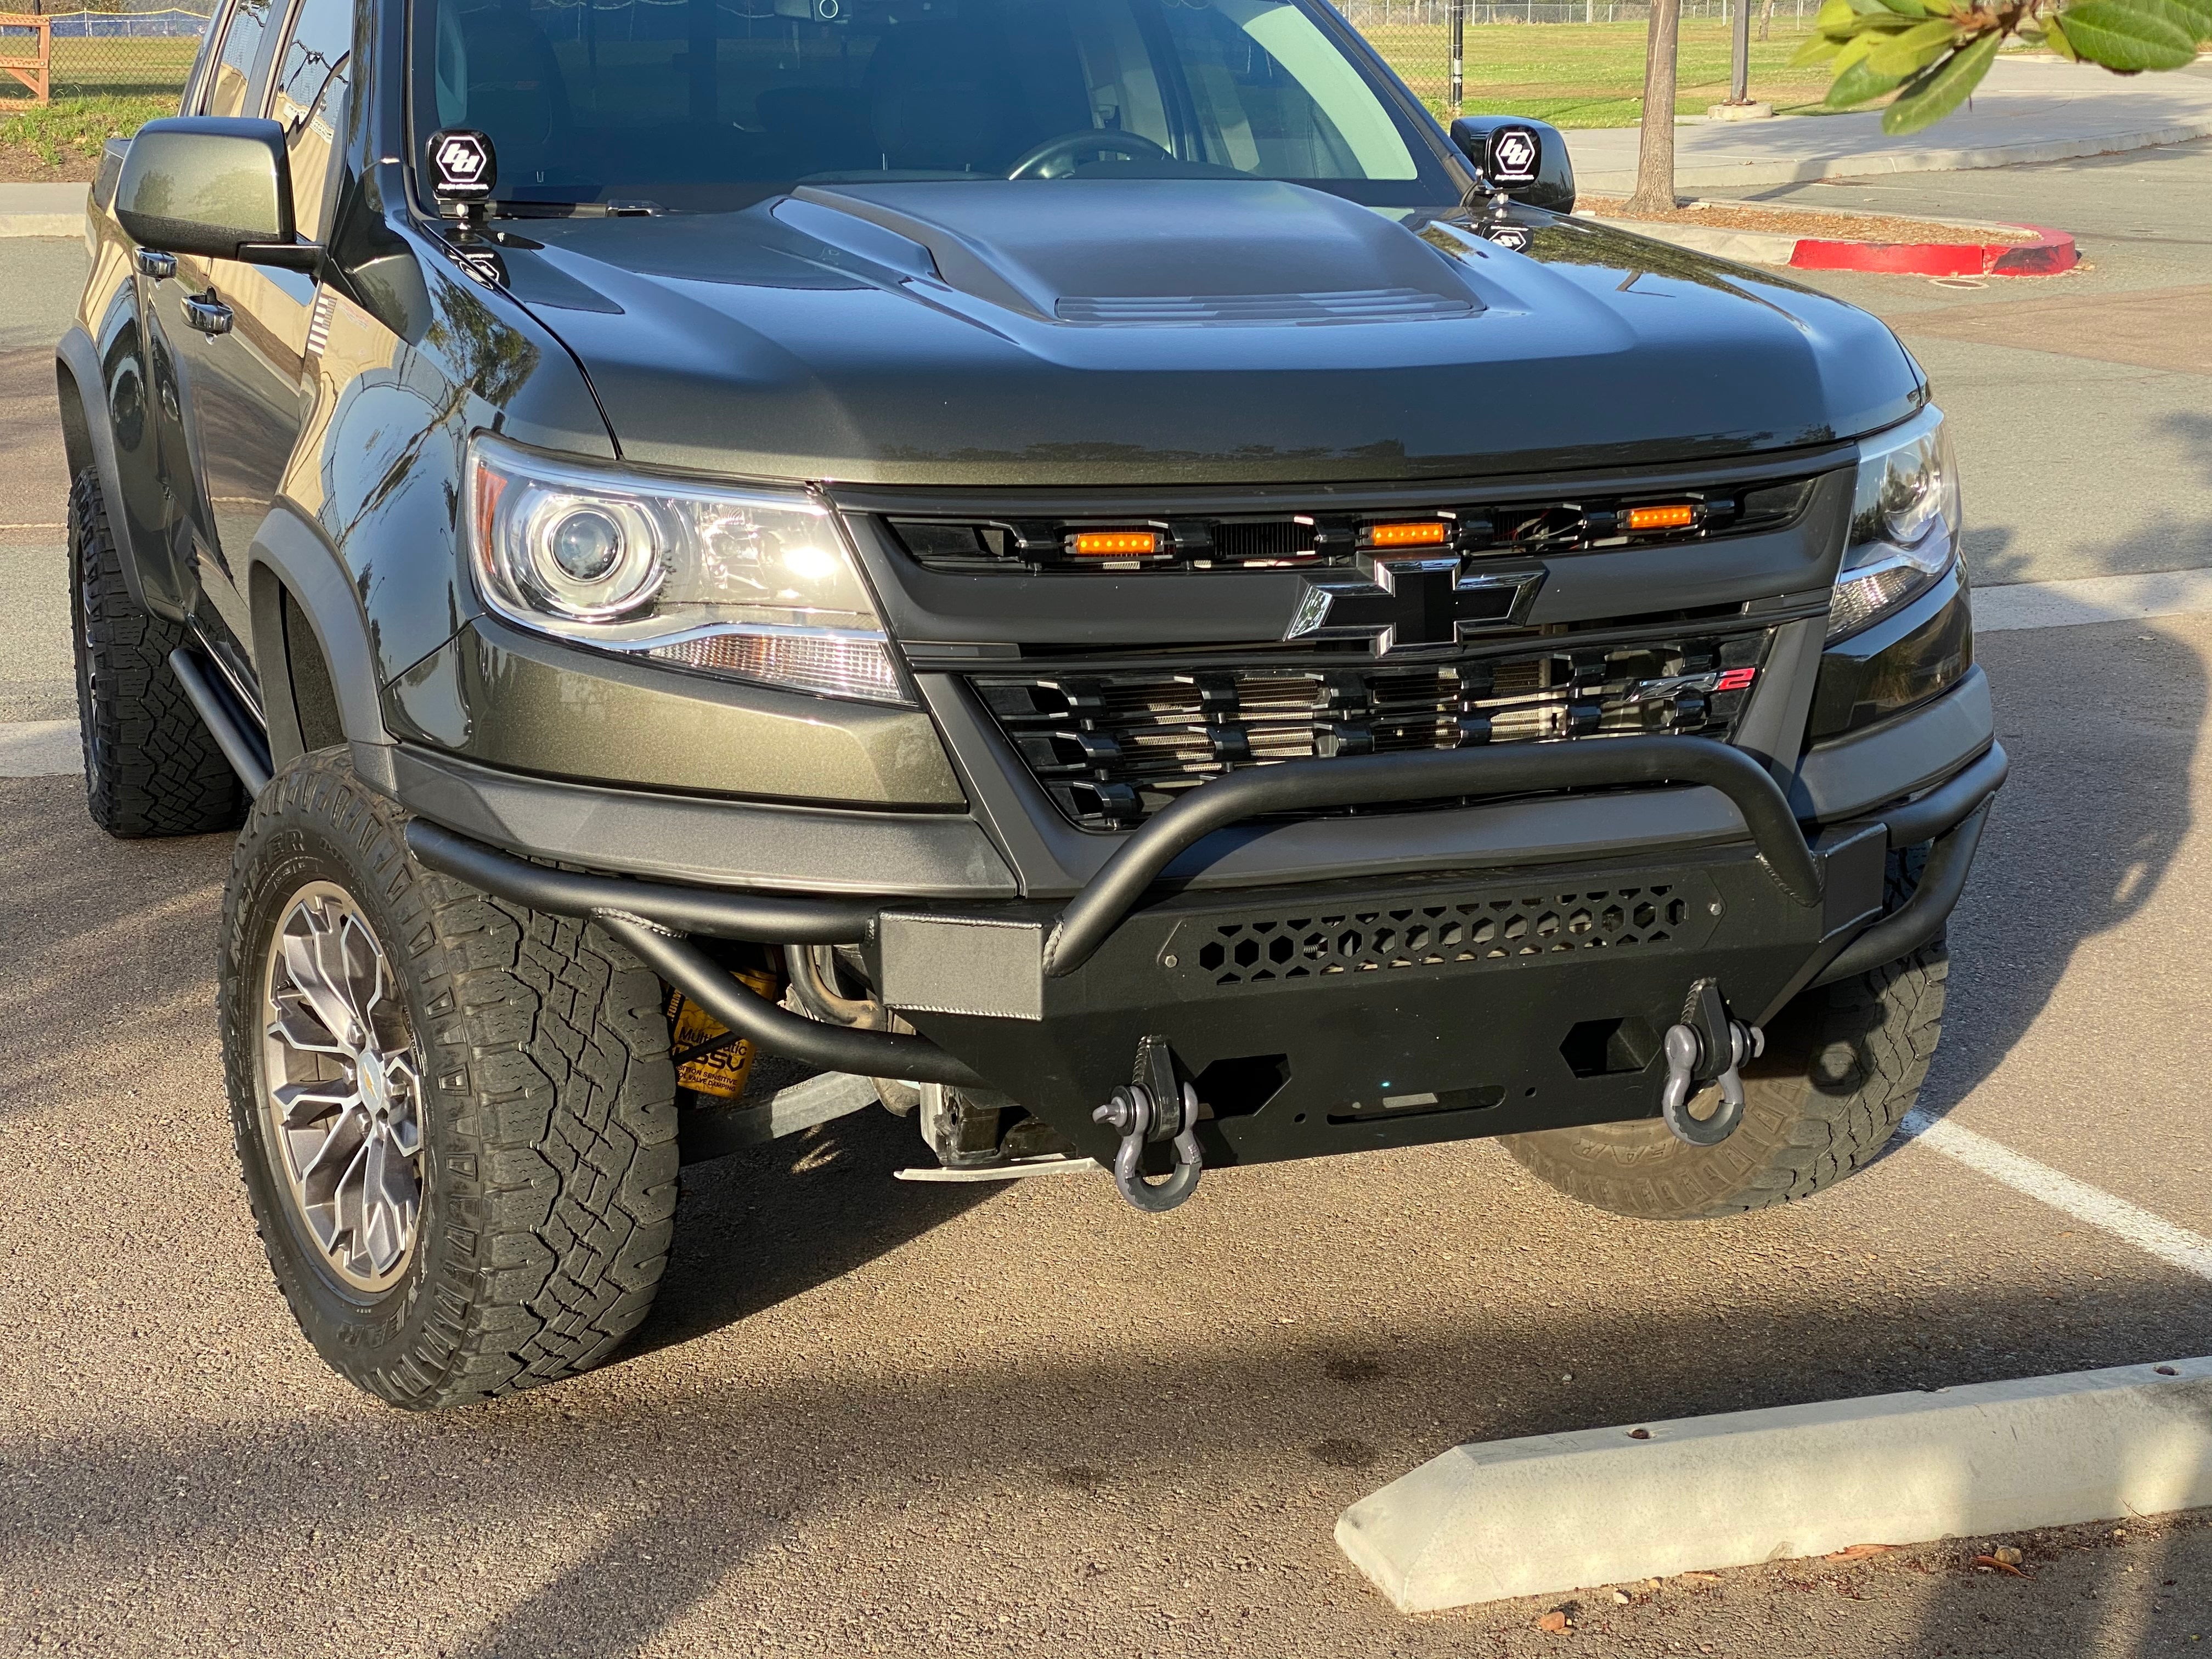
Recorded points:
(87,440)
(311,648)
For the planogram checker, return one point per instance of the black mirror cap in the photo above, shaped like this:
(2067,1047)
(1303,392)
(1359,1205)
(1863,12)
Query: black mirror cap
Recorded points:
(1496,146)
(217,186)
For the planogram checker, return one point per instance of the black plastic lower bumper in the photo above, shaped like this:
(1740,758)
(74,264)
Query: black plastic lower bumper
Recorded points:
(1338,1017)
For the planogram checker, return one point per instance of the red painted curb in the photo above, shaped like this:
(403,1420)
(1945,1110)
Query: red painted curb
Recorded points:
(2052,252)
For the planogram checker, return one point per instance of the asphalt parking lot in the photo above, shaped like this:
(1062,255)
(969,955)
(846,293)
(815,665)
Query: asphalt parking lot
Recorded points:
(875,1417)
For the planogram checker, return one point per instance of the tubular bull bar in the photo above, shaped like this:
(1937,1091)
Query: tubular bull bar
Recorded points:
(989,980)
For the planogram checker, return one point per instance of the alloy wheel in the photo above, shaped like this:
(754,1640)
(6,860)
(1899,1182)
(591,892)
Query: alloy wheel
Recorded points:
(340,1087)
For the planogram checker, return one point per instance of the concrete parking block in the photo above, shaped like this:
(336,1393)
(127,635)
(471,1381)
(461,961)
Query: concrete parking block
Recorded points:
(1602,1506)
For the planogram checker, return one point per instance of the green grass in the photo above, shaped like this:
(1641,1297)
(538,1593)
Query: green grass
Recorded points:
(102,89)
(77,127)
(124,68)
(1591,74)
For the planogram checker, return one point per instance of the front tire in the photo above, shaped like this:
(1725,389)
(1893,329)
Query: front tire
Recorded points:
(456,1117)
(1844,1064)
(151,767)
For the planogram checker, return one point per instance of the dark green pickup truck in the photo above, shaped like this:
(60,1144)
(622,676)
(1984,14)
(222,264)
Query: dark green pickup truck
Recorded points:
(1082,569)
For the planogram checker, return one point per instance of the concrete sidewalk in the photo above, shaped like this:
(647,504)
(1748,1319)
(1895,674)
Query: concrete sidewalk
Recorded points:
(2029,109)
(42,209)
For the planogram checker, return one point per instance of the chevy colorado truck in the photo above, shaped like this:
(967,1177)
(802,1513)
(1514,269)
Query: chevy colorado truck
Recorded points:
(1085,570)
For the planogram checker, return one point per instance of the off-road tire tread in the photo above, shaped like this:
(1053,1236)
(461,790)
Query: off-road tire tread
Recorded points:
(552,1117)
(1859,1053)
(163,775)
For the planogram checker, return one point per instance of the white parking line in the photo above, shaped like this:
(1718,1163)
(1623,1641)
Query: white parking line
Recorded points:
(2175,1246)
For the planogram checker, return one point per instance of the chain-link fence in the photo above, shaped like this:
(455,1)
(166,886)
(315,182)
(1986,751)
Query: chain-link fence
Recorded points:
(118,49)
(1424,40)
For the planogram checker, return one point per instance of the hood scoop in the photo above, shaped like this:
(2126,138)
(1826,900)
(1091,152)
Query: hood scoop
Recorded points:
(1150,253)
(1369,305)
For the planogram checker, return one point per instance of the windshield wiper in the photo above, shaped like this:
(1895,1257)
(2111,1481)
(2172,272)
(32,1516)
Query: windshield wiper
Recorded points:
(618,209)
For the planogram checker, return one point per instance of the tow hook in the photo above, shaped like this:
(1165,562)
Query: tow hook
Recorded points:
(1706,1046)
(1157,1109)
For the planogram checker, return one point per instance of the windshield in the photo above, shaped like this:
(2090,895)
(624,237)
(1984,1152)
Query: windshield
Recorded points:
(715,104)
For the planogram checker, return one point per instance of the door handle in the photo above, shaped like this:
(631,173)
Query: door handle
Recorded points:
(207,313)
(151,262)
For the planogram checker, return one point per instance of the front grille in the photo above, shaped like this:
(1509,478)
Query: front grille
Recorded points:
(1113,747)
(1017,545)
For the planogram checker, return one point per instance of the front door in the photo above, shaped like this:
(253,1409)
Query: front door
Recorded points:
(238,333)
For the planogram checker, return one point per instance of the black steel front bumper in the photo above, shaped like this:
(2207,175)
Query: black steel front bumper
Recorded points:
(1331,1017)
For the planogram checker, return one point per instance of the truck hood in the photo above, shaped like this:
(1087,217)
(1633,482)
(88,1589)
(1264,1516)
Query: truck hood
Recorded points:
(1145,332)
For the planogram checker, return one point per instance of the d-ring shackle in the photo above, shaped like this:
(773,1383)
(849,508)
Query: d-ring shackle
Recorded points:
(1686,1057)
(1132,1111)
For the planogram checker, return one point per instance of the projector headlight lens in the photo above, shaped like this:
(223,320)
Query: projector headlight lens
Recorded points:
(745,584)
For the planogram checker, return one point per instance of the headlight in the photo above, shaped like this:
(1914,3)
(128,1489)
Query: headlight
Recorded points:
(1905,523)
(748,584)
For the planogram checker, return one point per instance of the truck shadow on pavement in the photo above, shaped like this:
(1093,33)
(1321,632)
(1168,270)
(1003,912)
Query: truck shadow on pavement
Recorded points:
(796,1214)
(860,1502)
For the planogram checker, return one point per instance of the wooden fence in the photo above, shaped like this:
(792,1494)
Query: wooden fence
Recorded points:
(36,72)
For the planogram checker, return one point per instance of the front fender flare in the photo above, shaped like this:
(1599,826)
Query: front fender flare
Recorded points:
(290,555)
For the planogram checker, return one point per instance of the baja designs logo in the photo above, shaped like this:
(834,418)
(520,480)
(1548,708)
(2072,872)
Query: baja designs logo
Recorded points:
(1515,237)
(461,166)
(483,264)
(1515,154)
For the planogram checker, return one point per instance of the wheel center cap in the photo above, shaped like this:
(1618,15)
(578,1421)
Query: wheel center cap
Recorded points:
(375,1087)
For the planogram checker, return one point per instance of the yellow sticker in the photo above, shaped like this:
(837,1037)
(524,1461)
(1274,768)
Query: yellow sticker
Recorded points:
(721,1073)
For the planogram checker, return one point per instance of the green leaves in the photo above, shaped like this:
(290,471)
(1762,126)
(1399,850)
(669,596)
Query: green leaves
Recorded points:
(2130,35)
(1938,50)
(1938,91)
(2192,17)
(1868,65)
(1909,53)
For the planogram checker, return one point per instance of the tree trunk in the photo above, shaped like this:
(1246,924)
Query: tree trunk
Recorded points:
(1765,16)
(1654,149)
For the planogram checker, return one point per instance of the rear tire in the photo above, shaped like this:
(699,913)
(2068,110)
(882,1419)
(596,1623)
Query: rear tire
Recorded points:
(508,1187)
(1844,1064)
(151,768)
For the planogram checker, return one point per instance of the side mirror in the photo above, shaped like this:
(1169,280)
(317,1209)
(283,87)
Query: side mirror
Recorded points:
(217,186)
(1525,159)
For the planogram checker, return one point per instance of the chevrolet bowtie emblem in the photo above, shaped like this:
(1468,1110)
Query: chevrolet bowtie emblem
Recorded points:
(1406,604)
